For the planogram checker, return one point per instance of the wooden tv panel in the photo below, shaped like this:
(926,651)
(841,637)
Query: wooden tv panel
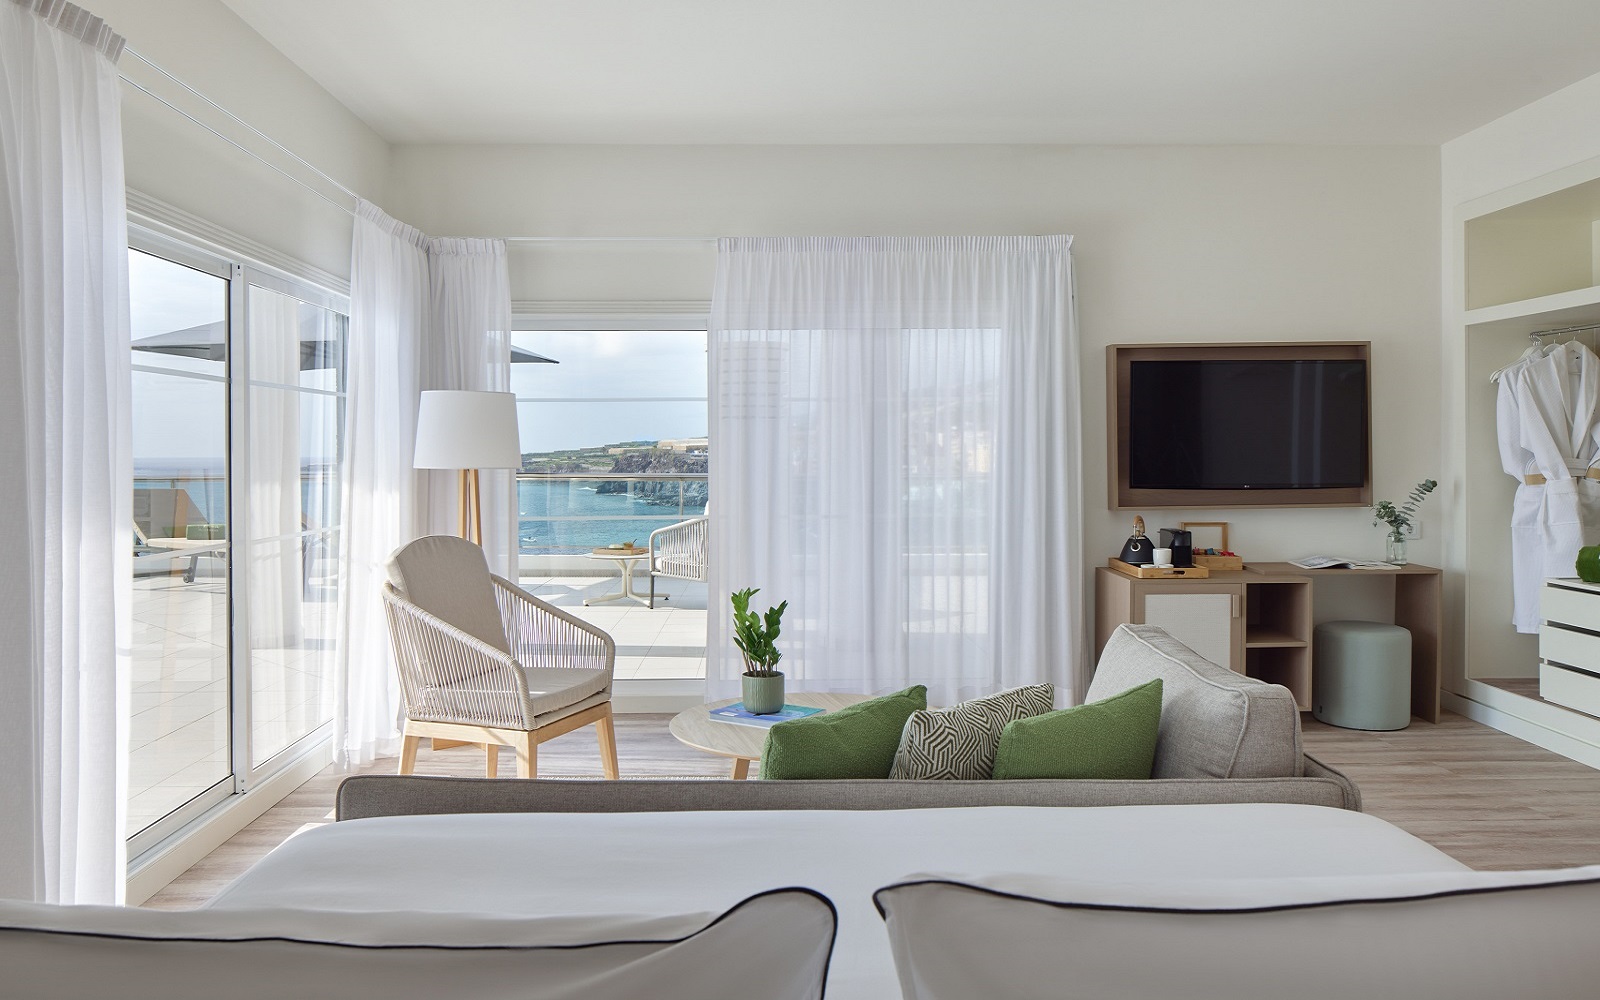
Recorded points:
(1119,357)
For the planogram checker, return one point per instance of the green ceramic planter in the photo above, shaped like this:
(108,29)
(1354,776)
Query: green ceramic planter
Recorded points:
(1589,564)
(763,695)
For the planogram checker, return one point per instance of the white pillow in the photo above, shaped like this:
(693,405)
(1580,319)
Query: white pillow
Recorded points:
(772,945)
(1461,935)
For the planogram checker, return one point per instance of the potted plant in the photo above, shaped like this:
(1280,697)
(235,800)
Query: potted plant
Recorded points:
(1399,519)
(757,637)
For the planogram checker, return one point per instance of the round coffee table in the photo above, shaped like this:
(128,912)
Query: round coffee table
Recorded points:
(694,727)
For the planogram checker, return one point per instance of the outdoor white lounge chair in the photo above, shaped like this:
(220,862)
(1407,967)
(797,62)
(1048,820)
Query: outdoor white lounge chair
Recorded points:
(678,552)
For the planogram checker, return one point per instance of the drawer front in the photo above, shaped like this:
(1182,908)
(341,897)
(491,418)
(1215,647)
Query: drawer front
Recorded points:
(1571,688)
(1570,607)
(1563,645)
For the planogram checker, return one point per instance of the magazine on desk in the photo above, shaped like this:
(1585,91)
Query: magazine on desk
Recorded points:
(736,715)
(1338,562)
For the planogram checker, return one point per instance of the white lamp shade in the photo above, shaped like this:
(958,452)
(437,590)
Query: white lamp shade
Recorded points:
(462,429)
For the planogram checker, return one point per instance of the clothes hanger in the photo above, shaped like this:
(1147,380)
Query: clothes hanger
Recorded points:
(1536,350)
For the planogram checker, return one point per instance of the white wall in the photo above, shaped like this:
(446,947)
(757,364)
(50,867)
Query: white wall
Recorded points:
(1555,133)
(1173,244)
(204,44)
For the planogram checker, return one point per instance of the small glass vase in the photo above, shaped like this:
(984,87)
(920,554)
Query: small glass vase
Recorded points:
(1394,548)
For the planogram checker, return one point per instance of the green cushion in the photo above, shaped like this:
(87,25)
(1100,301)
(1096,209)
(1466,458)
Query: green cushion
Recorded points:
(857,741)
(1113,739)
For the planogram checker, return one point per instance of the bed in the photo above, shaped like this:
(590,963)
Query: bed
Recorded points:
(616,860)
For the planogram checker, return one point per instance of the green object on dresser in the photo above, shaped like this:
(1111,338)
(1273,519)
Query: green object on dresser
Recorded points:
(1111,740)
(1589,564)
(857,741)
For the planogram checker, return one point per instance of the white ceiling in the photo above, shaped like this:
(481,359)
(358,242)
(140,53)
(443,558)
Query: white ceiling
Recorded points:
(902,71)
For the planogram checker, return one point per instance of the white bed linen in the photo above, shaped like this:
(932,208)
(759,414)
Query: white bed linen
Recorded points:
(657,863)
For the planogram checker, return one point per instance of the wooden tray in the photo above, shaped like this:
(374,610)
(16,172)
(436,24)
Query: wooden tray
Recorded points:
(606,551)
(1152,573)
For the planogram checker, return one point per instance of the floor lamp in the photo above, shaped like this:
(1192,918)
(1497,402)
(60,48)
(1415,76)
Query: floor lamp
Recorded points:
(467,430)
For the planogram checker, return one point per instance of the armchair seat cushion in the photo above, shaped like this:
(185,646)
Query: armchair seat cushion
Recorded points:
(552,688)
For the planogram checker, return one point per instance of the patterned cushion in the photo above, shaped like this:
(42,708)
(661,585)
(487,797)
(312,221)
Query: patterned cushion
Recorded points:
(959,742)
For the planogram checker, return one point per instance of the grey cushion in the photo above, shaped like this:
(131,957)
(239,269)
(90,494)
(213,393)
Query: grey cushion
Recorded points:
(1484,935)
(781,941)
(449,578)
(1214,723)
(959,742)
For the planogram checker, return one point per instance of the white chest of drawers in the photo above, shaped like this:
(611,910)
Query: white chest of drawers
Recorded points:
(1569,644)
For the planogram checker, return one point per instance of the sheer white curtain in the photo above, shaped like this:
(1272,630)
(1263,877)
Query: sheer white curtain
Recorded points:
(470,348)
(383,501)
(895,436)
(65,407)
(272,545)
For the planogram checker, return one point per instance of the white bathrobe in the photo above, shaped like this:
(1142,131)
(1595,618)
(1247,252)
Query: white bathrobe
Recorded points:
(1548,412)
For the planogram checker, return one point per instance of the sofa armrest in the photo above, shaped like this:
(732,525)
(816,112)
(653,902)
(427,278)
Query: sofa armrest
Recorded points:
(1317,769)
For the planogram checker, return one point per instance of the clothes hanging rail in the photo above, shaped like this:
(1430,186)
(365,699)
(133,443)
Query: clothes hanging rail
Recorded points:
(1538,336)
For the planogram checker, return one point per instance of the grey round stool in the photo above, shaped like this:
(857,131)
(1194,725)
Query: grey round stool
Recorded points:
(1361,675)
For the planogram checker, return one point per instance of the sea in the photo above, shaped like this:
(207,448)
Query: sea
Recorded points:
(573,516)
(552,516)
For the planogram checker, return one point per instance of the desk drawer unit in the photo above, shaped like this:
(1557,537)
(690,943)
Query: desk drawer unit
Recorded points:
(1569,645)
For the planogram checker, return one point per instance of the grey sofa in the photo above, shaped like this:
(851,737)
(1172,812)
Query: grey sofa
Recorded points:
(1224,738)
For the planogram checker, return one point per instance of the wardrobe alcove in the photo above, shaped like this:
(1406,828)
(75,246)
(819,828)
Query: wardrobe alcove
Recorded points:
(1531,263)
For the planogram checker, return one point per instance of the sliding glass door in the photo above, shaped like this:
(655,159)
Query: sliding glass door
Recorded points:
(238,407)
(179,732)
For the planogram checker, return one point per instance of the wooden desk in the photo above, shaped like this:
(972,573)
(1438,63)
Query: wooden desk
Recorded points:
(1258,620)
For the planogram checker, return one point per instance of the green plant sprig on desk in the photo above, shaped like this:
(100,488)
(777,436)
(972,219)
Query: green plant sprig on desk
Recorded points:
(757,635)
(1399,518)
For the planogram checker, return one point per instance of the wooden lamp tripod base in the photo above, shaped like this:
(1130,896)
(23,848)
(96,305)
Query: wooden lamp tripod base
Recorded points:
(470,504)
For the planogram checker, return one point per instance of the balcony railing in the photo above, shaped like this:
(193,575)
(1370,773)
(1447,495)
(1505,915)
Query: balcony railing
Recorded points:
(570,513)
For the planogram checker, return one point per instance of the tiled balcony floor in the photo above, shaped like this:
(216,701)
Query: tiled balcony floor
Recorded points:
(667,641)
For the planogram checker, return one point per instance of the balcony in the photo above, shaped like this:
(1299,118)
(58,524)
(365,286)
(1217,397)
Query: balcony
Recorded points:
(563,517)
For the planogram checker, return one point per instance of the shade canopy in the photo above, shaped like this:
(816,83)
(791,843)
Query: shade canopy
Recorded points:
(463,429)
(319,345)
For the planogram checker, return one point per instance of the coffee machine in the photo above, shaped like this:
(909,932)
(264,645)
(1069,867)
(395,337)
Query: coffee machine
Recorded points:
(1181,542)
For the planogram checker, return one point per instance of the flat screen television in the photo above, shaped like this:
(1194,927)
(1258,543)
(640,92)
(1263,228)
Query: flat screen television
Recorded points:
(1241,425)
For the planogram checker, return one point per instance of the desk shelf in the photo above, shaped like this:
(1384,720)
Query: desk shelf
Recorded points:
(1258,621)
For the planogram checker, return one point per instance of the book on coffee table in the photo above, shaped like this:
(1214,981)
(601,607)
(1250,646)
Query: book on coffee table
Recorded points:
(736,715)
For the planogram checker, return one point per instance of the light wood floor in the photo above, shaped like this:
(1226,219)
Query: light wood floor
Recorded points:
(1485,798)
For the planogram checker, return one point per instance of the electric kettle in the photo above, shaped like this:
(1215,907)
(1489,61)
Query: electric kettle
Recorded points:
(1137,550)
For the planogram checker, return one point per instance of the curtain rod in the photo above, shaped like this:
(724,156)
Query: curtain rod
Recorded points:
(275,144)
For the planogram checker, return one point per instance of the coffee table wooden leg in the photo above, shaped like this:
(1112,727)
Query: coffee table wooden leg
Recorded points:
(741,768)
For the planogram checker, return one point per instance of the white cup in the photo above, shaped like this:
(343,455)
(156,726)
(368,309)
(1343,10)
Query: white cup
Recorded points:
(1163,557)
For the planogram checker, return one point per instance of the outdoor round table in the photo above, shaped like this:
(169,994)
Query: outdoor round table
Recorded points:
(695,727)
(626,560)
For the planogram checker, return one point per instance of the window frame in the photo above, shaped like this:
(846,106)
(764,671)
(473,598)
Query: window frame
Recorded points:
(239,270)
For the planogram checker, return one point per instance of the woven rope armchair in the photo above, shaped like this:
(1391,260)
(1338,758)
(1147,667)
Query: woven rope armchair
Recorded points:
(678,551)
(483,661)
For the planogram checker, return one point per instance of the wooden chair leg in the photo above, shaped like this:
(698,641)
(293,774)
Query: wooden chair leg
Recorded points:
(607,732)
(408,753)
(527,756)
(491,760)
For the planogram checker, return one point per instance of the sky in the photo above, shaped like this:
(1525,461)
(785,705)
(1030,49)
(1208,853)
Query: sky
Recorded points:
(608,387)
